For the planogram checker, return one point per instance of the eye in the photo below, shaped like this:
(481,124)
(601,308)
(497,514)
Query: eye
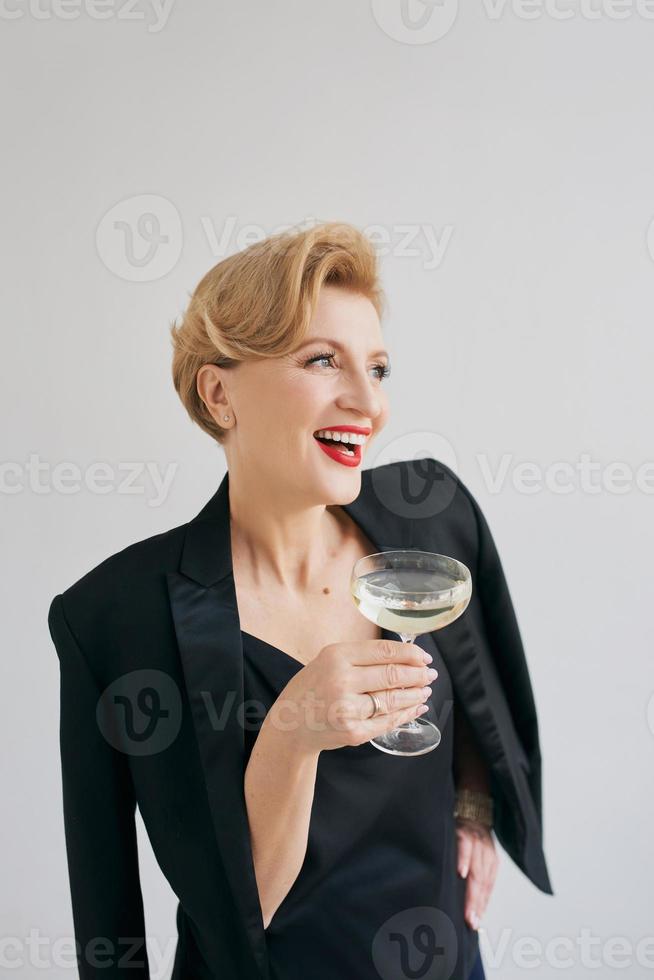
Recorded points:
(324,356)
(383,370)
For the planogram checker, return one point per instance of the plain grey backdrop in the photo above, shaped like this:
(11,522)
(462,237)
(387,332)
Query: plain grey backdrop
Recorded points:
(501,155)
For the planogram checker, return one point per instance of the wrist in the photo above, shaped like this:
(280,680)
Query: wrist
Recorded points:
(284,734)
(472,804)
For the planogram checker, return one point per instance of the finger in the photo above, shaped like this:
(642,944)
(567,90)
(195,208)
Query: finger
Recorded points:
(395,700)
(474,895)
(386,677)
(464,853)
(385,651)
(489,869)
(385,723)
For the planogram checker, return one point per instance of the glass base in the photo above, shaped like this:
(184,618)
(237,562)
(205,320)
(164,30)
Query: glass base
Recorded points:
(415,738)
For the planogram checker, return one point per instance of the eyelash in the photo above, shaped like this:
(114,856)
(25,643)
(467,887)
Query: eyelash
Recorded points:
(331,354)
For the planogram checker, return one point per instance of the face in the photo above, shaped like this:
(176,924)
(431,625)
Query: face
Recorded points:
(334,380)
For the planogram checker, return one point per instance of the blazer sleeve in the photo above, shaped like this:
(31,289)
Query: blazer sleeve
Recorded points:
(100,832)
(502,634)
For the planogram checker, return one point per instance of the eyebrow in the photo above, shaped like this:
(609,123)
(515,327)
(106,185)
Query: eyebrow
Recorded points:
(335,343)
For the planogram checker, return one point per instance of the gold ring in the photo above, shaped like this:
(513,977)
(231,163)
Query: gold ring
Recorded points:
(377,705)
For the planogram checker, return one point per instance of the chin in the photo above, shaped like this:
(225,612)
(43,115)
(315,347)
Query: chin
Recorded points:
(341,488)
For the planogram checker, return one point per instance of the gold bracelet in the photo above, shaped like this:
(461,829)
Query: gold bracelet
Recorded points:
(474,805)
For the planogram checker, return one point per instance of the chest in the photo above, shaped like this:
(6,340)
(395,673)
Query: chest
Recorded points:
(301,627)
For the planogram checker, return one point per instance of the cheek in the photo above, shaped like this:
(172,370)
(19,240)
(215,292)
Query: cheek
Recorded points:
(273,397)
(303,400)
(292,410)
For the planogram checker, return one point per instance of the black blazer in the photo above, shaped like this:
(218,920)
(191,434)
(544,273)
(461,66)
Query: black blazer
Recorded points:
(151,714)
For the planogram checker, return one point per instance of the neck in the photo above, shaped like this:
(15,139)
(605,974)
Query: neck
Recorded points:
(279,542)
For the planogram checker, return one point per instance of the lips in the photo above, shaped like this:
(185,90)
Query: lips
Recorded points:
(333,450)
(339,455)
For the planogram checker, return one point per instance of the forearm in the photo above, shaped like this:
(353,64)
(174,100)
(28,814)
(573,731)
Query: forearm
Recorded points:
(279,788)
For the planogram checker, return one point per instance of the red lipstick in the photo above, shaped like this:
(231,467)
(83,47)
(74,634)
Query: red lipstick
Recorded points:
(334,452)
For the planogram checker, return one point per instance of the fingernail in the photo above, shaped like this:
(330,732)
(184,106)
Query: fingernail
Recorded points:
(427,657)
(475,920)
(432,672)
(464,871)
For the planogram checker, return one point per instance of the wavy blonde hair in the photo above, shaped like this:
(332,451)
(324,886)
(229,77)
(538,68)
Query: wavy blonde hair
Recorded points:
(260,301)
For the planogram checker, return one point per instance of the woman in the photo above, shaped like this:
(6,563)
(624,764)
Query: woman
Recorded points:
(219,675)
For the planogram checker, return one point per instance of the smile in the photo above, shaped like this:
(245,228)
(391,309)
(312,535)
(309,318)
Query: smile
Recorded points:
(344,444)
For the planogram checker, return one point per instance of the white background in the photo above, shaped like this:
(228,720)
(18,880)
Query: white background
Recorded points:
(522,141)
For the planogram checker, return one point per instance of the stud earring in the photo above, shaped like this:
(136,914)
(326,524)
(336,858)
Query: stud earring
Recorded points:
(226,418)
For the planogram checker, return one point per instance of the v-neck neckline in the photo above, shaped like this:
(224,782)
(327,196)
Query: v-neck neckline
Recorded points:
(271,646)
(287,656)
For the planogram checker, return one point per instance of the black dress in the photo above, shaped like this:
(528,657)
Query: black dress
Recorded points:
(378,894)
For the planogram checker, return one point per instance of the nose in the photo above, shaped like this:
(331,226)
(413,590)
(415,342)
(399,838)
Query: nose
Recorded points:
(360,394)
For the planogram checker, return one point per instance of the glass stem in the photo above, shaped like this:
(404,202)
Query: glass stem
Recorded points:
(412,725)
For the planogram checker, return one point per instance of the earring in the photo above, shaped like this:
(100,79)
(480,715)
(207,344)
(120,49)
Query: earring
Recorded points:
(226,418)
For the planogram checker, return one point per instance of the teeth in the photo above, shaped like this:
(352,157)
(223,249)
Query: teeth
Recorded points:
(352,438)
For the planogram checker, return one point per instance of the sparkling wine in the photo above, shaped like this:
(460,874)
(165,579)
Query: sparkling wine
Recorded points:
(417,609)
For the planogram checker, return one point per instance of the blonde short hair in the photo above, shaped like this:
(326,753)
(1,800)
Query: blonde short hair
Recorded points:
(259,302)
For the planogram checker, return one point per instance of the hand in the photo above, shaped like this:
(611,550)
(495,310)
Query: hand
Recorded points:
(325,705)
(477,860)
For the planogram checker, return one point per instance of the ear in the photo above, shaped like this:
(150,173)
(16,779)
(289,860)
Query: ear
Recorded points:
(209,382)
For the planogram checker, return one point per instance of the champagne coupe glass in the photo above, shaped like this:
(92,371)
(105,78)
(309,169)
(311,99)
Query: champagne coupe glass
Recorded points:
(410,592)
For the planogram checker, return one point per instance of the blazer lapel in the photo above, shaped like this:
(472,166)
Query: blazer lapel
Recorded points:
(205,613)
